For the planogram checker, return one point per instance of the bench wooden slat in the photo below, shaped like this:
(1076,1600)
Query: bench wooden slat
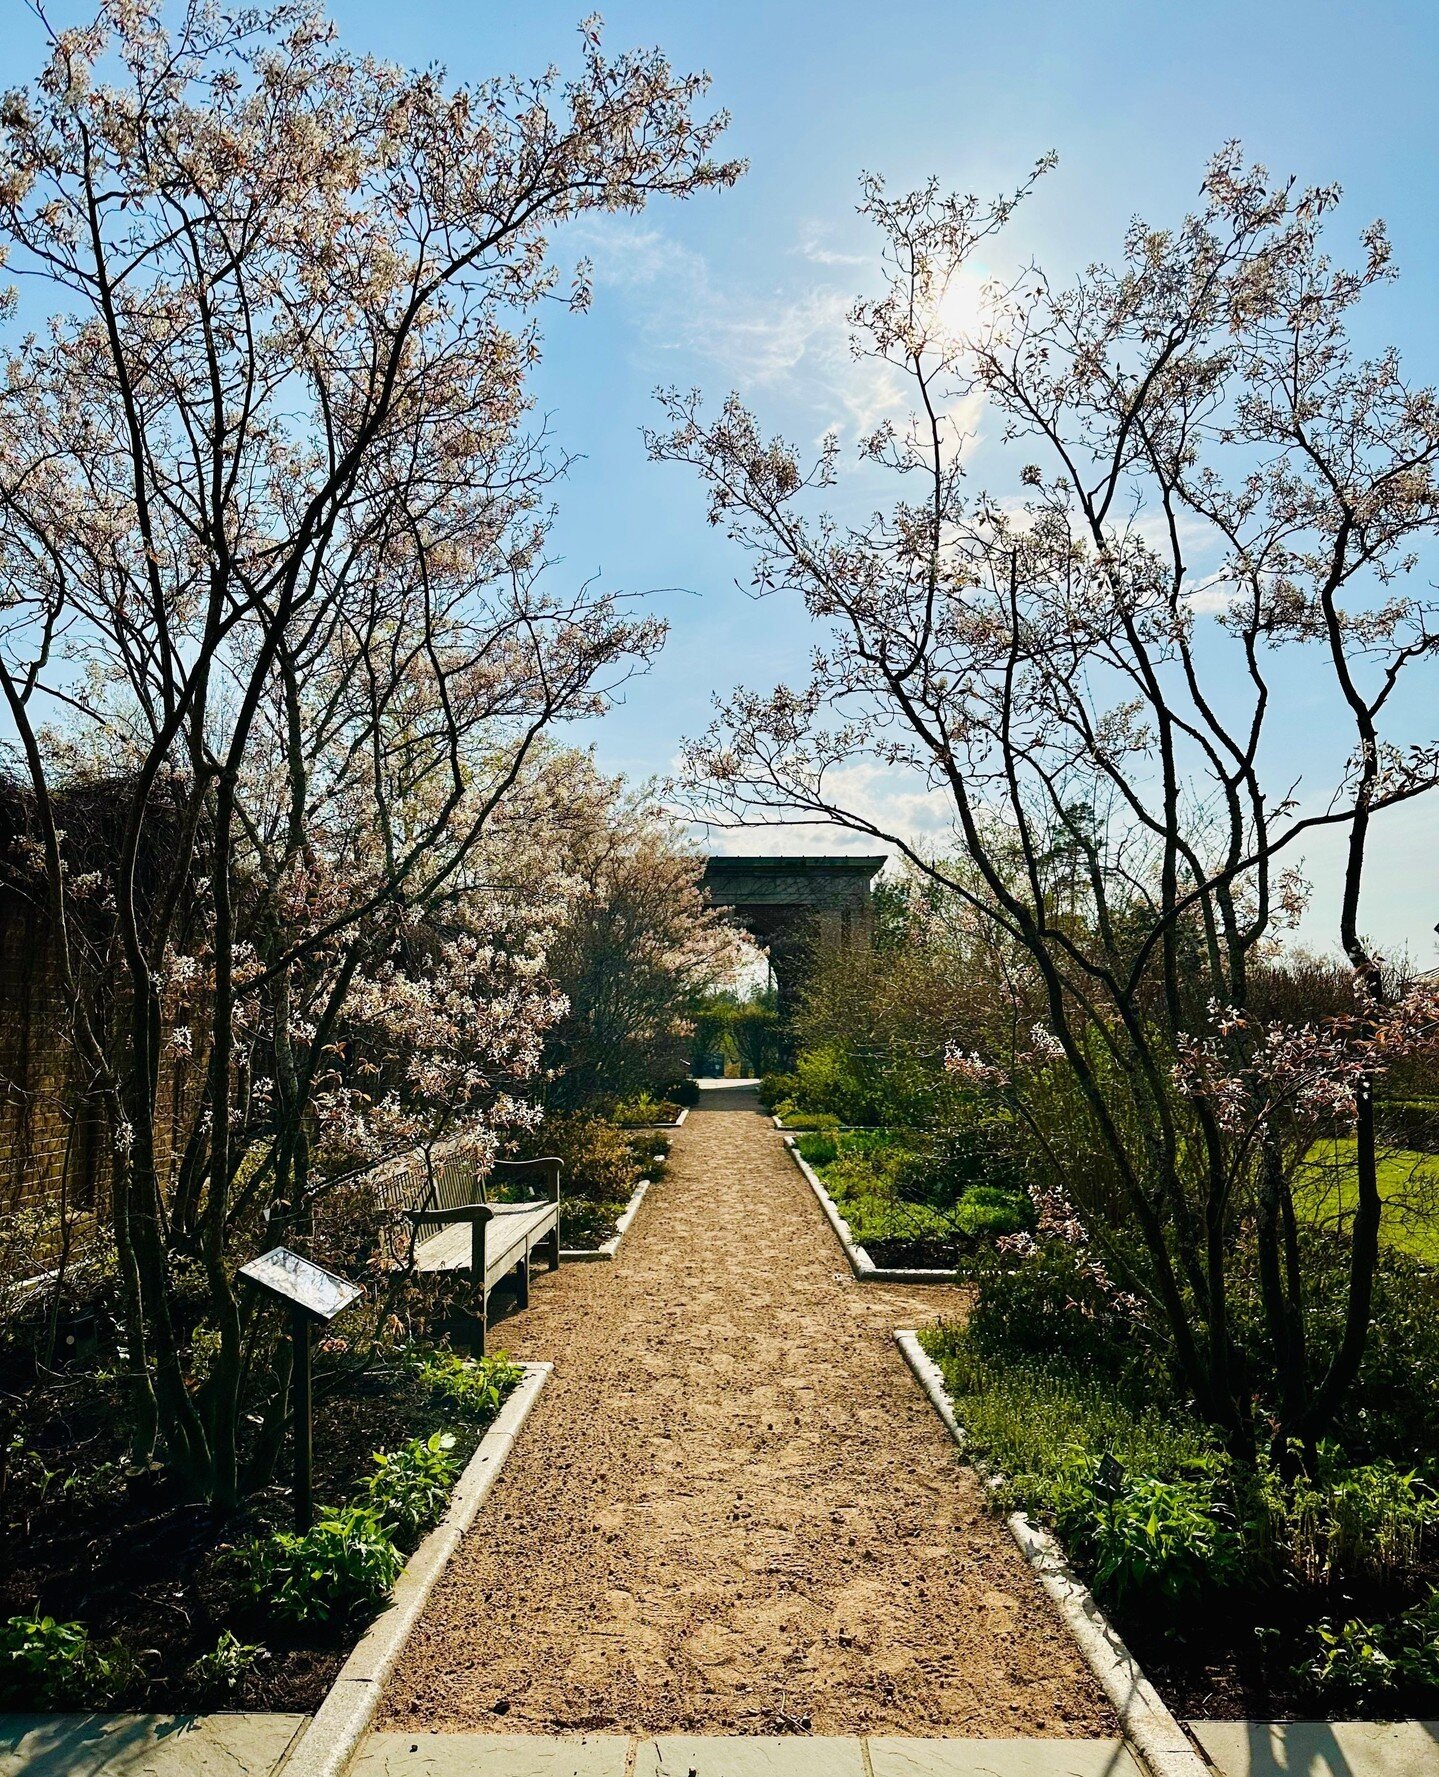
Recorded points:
(514,1229)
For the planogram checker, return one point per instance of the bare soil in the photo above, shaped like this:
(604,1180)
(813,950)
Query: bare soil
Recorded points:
(733,1511)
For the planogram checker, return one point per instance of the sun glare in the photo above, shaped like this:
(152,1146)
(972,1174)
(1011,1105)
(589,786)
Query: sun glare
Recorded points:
(963,307)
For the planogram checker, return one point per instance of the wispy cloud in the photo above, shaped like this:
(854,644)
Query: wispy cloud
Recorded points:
(811,246)
(1212,600)
(893,802)
(791,339)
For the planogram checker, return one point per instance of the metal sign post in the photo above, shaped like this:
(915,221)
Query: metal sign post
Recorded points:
(313,1296)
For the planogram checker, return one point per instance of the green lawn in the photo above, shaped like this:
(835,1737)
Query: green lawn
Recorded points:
(1408,1183)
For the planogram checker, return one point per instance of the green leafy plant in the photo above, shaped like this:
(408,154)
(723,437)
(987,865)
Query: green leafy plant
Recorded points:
(473,1387)
(1147,1537)
(818,1149)
(791,1115)
(775,1087)
(1362,1664)
(587,1225)
(340,1571)
(91,1489)
(410,1486)
(1350,1663)
(987,1211)
(222,1671)
(1365,1521)
(48,1664)
(598,1159)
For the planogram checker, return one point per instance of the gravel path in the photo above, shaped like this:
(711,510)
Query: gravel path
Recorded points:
(732,1510)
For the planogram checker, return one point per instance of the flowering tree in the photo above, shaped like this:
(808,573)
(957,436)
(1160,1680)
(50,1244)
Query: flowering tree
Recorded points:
(1211,510)
(636,946)
(271,562)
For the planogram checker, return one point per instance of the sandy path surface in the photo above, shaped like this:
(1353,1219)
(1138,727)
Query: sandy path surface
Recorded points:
(733,1511)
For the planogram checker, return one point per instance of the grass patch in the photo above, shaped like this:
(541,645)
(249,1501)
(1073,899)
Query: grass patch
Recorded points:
(1029,1418)
(1326,1192)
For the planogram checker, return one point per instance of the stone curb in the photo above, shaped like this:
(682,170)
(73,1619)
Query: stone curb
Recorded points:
(840,1129)
(330,1742)
(860,1262)
(590,1255)
(1147,1724)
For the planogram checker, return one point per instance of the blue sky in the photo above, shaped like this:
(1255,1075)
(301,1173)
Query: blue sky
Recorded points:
(747,289)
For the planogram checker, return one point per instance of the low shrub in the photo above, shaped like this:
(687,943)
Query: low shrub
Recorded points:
(47,1664)
(599,1161)
(1052,1303)
(818,1148)
(982,1151)
(411,1486)
(339,1572)
(773,1088)
(1410,1122)
(650,1150)
(644,1111)
(473,1387)
(790,1114)
(985,1212)
(828,1080)
(586,1225)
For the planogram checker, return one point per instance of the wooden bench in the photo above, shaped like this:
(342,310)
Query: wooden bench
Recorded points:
(489,1240)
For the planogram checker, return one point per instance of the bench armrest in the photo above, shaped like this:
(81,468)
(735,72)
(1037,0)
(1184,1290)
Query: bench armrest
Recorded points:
(437,1218)
(549,1164)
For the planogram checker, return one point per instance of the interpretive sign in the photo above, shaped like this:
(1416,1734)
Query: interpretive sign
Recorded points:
(300,1282)
(312,1294)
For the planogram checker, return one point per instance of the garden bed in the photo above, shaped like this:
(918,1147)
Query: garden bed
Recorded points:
(861,1261)
(901,1210)
(175,1598)
(648,1112)
(604,1249)
(1248,1594)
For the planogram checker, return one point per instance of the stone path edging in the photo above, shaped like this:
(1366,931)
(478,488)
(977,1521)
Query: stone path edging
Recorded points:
(329,1743)
(1148,1725)
(860,1262)
(589,1255)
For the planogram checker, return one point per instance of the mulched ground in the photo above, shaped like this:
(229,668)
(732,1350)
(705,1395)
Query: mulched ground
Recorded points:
(733,1511)
(134,1563)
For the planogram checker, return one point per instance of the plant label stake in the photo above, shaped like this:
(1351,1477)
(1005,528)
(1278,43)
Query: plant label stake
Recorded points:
(313,1296)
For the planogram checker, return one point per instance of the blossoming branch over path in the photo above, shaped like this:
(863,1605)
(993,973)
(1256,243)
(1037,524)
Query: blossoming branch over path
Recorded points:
(733,1511)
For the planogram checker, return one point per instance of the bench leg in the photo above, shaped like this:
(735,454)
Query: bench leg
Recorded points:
(522,1279)
(552,1243)
(481,1321)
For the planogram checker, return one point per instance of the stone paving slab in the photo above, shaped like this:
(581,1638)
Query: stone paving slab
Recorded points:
(715,1755)
(145,1745)
(892,1757)
(491,1755)
(735,1755)
(1321,1748)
